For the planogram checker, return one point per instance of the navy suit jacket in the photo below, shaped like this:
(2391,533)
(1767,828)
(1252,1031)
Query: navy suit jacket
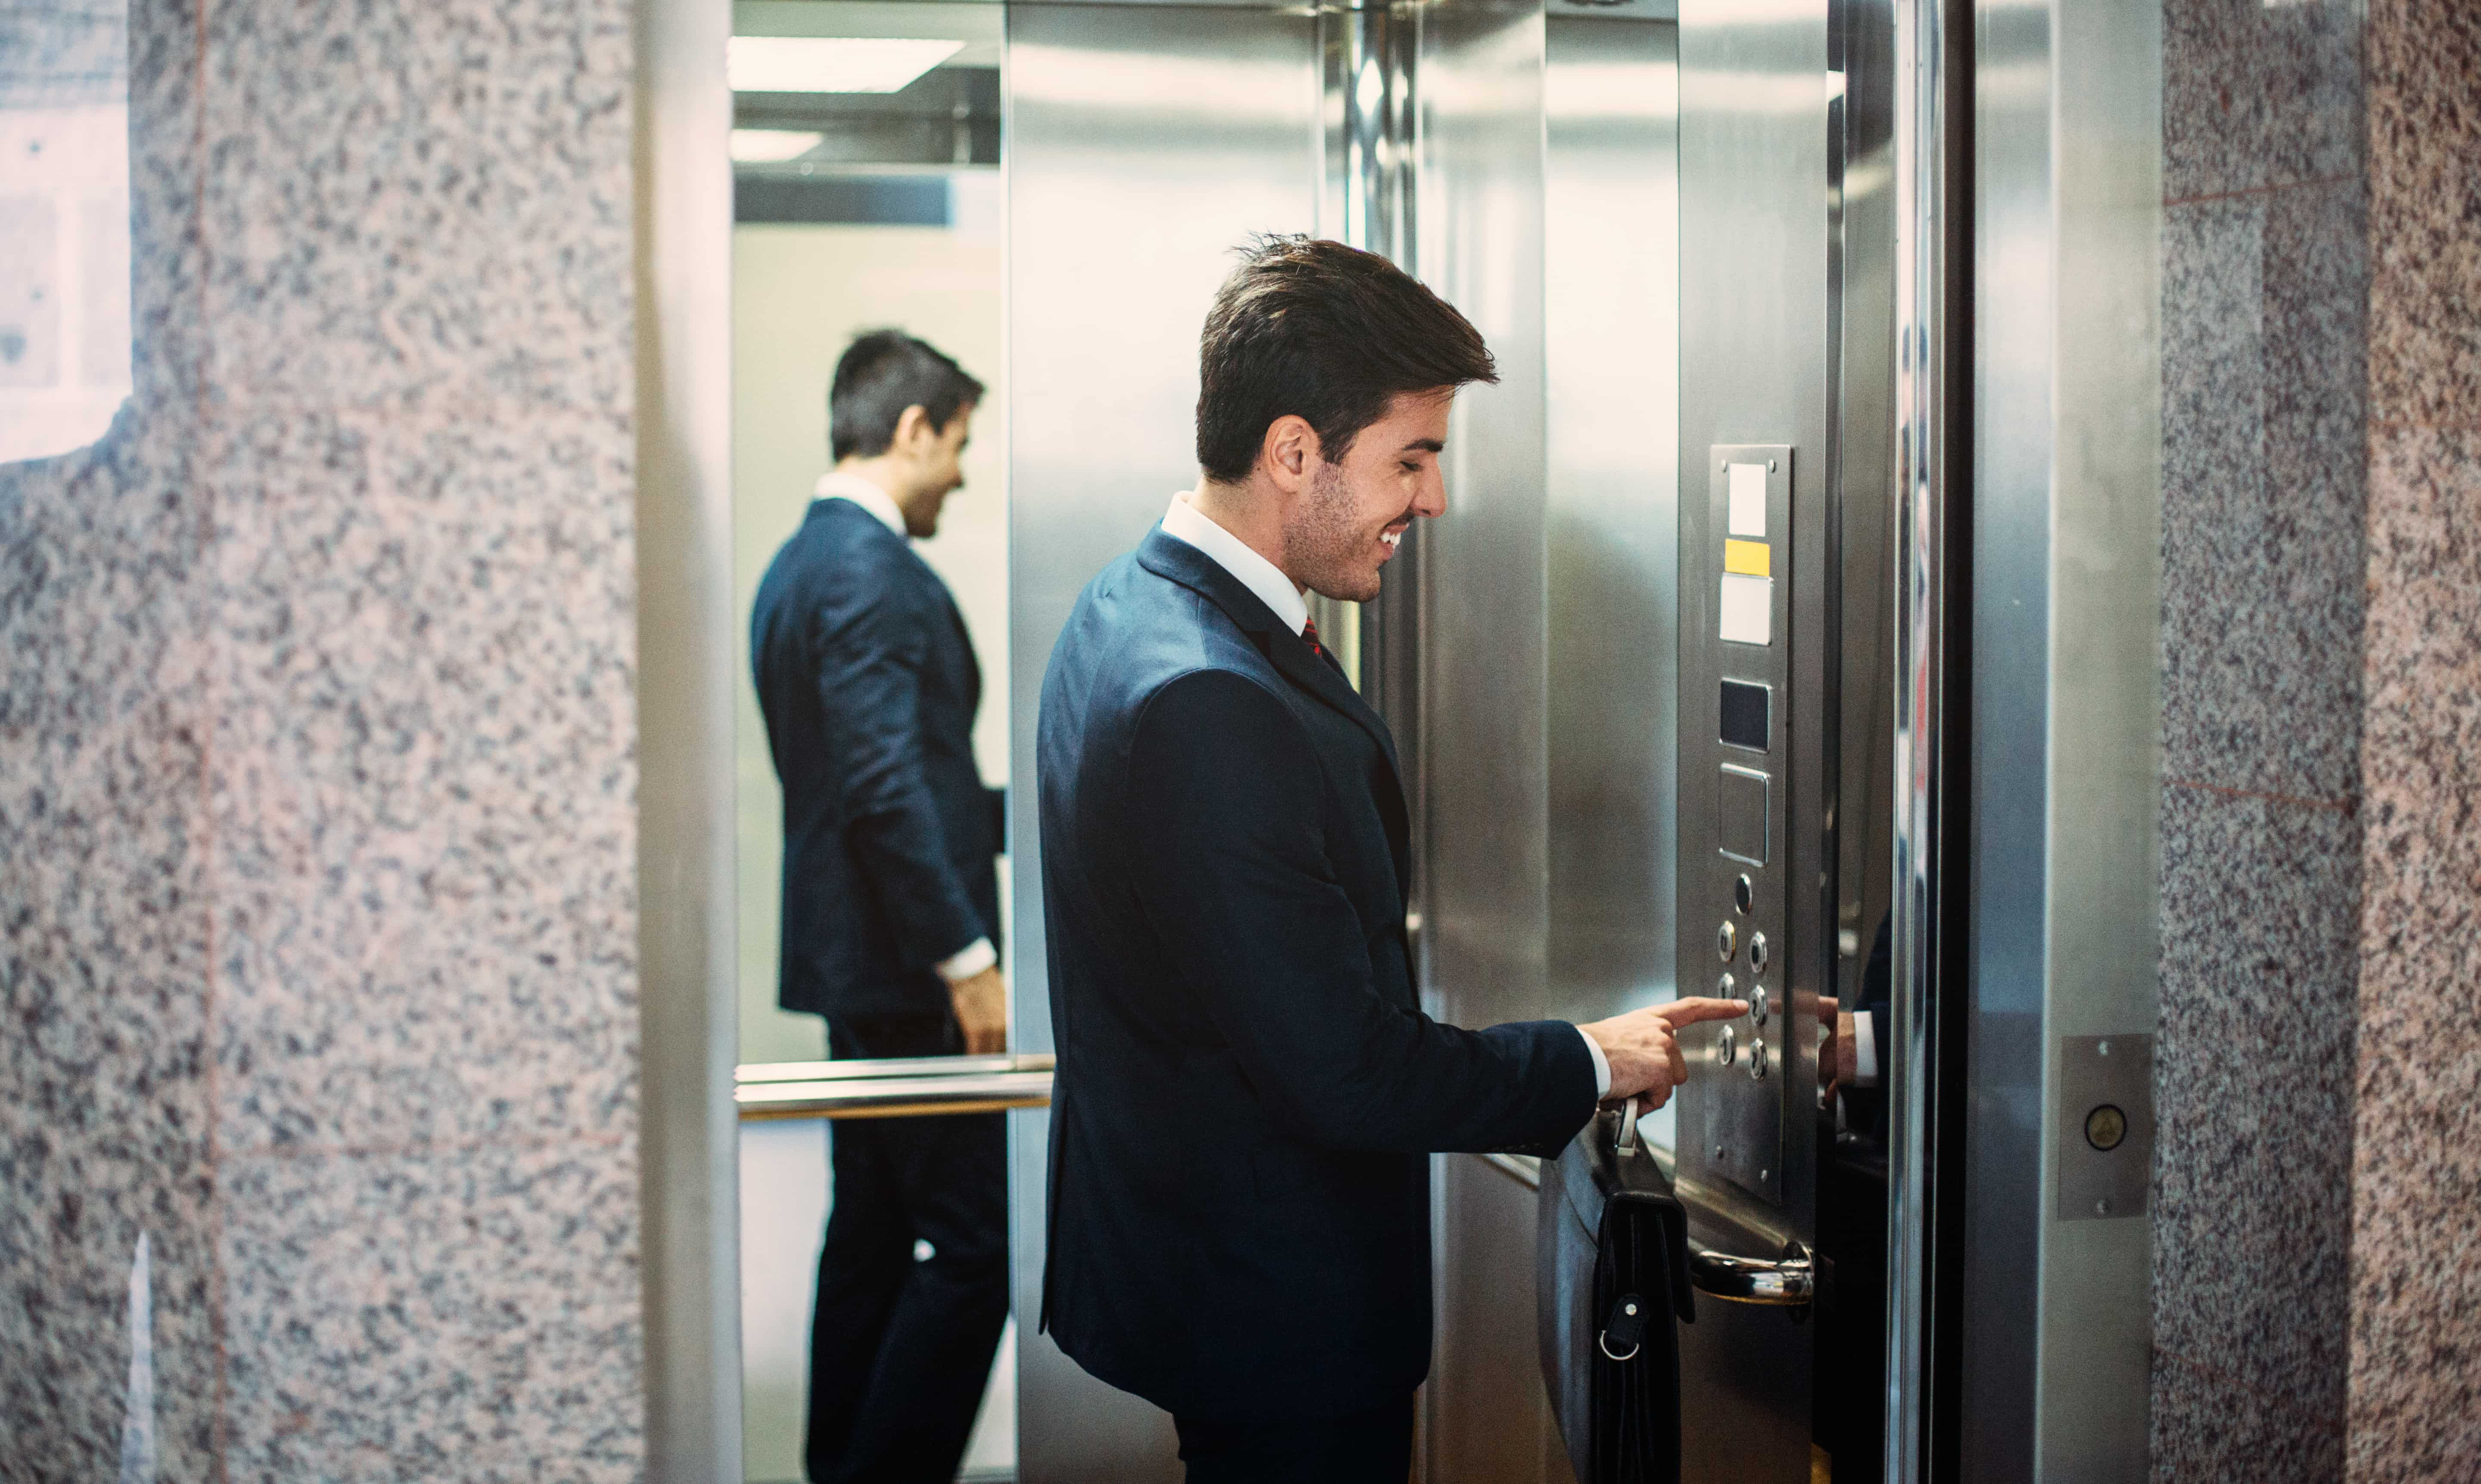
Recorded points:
(1247,1089)
(869,686)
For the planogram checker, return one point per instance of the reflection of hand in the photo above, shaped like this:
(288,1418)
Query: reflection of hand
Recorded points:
(1643,1046)
(981,1010)
(1839,1055)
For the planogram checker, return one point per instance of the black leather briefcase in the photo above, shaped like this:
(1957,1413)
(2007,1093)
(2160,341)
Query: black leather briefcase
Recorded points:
(1611,1277)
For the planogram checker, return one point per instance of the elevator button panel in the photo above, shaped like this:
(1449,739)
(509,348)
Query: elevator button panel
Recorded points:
(1740,739)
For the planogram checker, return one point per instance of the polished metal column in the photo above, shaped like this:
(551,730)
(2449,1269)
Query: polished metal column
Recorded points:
(1927,1125)
(2054,1343)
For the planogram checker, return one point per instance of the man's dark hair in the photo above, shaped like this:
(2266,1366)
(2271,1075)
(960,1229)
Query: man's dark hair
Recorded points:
(882,373)
(1328,333)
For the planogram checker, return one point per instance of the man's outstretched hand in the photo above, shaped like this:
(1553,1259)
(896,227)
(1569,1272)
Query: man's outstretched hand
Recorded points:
(1643,1046)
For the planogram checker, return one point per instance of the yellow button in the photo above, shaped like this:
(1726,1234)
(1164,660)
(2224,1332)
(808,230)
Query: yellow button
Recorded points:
(1749,558)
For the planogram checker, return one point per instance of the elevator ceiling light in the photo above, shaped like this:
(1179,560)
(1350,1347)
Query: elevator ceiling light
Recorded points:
(831,64)
(772,146)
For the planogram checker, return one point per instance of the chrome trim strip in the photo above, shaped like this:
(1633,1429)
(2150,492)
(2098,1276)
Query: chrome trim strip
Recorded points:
(688,1020)
(1925,92)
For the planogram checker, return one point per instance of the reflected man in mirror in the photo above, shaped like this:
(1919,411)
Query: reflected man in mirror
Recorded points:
(1247,1090)
(890,913)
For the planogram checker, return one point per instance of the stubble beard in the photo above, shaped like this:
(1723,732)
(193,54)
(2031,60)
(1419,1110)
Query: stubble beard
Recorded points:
(1324,538)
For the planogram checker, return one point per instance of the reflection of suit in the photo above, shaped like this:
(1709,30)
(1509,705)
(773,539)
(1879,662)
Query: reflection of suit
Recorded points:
(869,686)
(1247,1089)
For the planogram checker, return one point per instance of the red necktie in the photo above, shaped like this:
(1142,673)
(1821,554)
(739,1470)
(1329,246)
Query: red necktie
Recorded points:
(1309,637)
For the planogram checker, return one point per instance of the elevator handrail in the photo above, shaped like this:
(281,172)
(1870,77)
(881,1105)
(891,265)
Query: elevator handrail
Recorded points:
(896,1088)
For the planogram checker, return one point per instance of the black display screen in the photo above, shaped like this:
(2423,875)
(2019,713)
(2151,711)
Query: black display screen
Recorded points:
(1746,714)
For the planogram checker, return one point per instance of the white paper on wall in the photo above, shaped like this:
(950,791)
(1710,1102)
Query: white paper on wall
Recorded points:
(1747,609)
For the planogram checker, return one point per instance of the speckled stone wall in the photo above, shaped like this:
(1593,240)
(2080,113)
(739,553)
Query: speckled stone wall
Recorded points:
(317,738)
(2264,370)
(2319,1173)
(2416,1275)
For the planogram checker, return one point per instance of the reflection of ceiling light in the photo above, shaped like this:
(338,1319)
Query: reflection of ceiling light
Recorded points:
(768,147)
(831,64)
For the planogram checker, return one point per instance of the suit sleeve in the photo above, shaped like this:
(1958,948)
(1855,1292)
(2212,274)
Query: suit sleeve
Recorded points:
(1232,875)
(871,652)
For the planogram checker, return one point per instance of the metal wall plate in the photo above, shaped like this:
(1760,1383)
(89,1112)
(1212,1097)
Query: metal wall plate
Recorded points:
(1740,830)
(2106,1142)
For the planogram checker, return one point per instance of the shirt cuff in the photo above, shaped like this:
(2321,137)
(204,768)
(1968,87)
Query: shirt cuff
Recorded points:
(975,957)
(1864,1049)
(1602,1066)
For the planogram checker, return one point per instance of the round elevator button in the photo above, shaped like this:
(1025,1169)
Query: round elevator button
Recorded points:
(1726,940)
(2105,1127)
(1744,893)
(1760,1001)
(1727,1046)
(1758,952)
(1725,987)
(1758,1057)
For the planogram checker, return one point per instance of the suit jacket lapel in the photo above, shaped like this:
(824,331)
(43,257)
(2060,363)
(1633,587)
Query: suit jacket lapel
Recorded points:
(1172,557)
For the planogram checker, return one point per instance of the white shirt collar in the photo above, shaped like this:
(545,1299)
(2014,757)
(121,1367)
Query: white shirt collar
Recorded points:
(833,485)
(1188,522)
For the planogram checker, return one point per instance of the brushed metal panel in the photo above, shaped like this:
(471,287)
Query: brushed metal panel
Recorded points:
(1483,614)
(1483,738)
(1755,306)
(1611,325)
(1142,144)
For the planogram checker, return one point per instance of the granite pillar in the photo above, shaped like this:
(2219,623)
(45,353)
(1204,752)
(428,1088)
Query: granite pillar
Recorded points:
(2415,1270)
(2264,280)
(317,771)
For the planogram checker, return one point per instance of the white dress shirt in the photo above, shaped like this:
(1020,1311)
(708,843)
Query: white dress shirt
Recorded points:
(977,955)
(1185,522)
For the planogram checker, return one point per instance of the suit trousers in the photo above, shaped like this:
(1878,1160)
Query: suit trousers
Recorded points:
(900,1345)
(1360,1448)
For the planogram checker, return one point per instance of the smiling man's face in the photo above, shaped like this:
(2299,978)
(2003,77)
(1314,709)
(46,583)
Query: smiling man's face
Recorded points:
(1355,513)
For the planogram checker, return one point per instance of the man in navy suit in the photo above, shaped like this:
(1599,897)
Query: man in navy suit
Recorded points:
(890,913)
(1247,1089)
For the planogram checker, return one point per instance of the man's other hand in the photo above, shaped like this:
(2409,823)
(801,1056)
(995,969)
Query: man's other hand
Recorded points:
(982,1009)
(1643,1046)
(1839,1055)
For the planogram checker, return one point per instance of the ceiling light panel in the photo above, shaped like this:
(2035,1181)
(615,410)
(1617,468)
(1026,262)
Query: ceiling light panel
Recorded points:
(831,64)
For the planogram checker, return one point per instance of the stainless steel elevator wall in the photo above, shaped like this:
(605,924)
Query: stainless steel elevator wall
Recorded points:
(1143,144)
(1485,870)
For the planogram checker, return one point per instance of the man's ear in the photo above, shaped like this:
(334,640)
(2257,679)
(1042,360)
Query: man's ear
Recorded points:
(1290,451)
(913,428)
